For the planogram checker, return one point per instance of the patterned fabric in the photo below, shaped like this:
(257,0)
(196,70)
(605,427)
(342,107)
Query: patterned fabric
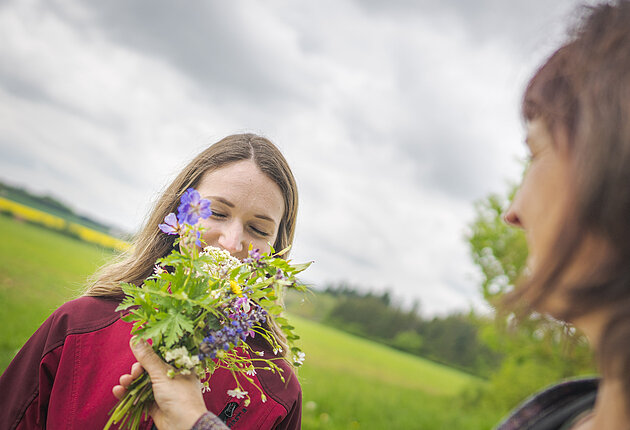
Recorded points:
(554,407)
(209,421)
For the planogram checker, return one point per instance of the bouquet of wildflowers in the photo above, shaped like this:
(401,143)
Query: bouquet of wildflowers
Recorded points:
(200,305)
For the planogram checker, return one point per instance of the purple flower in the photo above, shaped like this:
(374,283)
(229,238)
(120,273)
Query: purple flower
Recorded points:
(171,225)
(192,207)
(239,328)
(255,254)
(280,275)
(254,258)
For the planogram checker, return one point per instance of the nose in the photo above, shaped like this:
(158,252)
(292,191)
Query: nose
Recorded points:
(231,238)
(511,217)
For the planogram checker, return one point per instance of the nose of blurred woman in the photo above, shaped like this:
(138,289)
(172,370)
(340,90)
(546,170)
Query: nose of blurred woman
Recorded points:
(511,217)
(231,238)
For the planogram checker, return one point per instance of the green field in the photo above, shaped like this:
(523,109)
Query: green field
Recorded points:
(348,382)
(39,270)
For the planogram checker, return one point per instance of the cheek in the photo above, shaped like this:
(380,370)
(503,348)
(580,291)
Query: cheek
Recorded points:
(210,233)
(544,205)
(262,244)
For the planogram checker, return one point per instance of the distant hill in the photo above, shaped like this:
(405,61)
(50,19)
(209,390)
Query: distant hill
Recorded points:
(53,206)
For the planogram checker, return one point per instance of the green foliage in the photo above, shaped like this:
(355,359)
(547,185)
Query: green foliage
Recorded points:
(450,340)
(454,340)
(200,305)
(499,250)
(407,340)
(373,315)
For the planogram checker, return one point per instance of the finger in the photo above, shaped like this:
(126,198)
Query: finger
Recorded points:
(147,357)
(136,370)
(119,391)
(126,380)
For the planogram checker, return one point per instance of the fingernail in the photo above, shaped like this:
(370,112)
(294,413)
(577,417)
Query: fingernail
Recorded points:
(136,342)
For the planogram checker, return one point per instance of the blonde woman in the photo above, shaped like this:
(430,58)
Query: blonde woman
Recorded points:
(63,375)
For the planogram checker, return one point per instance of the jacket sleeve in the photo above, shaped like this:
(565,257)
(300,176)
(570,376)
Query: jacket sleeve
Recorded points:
(293,420)
(27,383)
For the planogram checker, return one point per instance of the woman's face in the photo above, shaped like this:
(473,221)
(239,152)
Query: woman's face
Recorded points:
(247,207)
(540,201)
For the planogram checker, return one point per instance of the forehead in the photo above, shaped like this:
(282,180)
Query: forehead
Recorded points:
(244,185)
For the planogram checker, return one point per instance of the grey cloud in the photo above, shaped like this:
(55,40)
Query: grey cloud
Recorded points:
(519,24)
(207,41)
(24,89)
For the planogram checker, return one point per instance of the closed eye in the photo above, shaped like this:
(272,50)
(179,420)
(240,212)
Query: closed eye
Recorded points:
(219,215)
(259,232)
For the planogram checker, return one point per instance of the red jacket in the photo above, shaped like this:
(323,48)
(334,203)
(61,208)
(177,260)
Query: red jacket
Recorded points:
(64,374)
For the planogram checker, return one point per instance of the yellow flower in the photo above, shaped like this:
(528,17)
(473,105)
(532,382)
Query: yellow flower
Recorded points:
(236,289)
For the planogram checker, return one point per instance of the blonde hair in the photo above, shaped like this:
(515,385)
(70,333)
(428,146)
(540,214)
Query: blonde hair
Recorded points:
(135,265)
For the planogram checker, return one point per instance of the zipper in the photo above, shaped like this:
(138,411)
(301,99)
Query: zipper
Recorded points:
(228,411)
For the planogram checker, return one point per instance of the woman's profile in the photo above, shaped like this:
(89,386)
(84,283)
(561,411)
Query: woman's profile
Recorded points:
(574,205)
(63,375)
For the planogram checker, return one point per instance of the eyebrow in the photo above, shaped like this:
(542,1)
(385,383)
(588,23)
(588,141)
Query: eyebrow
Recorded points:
(231,205)
(220,199)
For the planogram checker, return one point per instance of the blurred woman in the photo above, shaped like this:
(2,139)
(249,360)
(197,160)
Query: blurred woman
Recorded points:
(574,205)
(63,375)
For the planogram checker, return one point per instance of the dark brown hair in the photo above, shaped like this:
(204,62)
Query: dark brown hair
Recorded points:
(582,92)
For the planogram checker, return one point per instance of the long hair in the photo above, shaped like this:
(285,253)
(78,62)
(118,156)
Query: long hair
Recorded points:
(583,92)
(135,265)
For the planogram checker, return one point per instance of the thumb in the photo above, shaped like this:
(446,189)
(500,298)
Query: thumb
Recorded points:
(147,357)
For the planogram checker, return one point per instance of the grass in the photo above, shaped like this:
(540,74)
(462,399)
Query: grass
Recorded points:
(39,270)
(348,382)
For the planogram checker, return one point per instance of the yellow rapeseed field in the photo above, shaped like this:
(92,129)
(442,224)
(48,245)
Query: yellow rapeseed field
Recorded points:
(54,222)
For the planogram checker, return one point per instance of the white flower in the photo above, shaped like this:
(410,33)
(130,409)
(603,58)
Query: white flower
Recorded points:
(181,358)
(158,270)
(277,351)
(251,371)
(222,261)
(299,358)
(246,307)
(237,393)
(259,353)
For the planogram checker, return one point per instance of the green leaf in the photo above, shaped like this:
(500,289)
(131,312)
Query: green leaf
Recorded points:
(171,326)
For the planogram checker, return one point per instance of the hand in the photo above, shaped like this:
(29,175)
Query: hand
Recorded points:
(178,401)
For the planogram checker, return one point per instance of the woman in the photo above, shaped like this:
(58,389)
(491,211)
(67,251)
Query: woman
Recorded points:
(574,205)
(63,375)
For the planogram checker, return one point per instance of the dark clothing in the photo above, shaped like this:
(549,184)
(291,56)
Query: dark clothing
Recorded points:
(555,408)
(64,374)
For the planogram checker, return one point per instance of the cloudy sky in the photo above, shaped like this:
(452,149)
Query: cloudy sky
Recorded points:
(394,115)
